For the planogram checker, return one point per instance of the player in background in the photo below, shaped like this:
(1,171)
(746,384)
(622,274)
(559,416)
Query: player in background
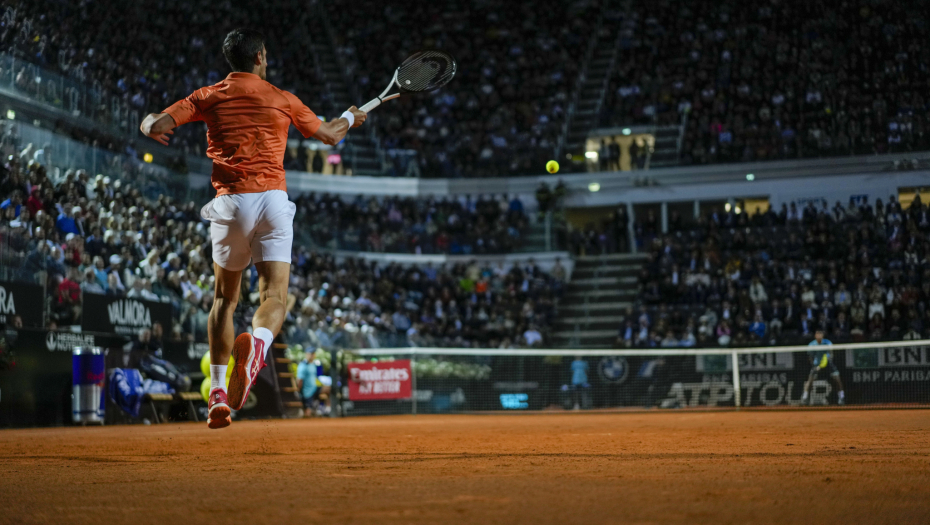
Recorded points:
(822,359)
(251,217)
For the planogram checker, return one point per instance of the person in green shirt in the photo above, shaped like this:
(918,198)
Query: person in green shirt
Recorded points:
(306,380)
(310,384)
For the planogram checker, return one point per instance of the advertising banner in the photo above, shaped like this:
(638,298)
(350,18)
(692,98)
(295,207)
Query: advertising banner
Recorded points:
(888,375)
(123,316)
(868,375)
(384,380)
(38,390)
(876,376)
(23,300)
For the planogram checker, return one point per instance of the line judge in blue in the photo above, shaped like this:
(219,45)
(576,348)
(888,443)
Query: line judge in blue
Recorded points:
(822,360)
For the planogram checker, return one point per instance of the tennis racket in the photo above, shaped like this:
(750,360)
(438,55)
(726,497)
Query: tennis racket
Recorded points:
(424,71)
(825,361)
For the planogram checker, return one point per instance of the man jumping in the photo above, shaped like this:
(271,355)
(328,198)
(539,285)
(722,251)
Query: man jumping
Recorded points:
(822,359)
(251,217)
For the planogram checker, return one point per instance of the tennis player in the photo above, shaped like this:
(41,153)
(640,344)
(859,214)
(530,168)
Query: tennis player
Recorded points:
(822,360)
(251,217)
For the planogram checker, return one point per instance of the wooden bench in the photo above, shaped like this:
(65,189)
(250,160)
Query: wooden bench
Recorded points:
(180,397)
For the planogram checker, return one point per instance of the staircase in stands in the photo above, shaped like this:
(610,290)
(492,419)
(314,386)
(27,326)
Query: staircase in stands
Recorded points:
(362,153)
(602,287)
(585,110)
(666,151)
(285,384)
(583,114)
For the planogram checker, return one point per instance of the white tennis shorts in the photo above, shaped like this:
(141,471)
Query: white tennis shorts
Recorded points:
(250,226)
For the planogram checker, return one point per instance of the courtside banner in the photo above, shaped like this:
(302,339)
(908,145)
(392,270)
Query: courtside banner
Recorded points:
(384,380)
(120,315)
(23,300)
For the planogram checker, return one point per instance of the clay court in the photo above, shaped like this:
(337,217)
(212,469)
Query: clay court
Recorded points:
(705,467)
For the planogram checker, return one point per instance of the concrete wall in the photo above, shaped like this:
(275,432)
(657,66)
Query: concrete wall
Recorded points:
(612,184)
(545,260)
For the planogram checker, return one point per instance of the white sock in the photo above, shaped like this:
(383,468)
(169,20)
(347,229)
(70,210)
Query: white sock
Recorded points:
(803,396)
(265,335)
(218,377)
(842,394)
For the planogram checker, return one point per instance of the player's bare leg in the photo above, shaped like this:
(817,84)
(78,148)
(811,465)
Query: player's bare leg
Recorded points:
(221,333)
(273,277)
(250,350)
(841,394)
(807,387)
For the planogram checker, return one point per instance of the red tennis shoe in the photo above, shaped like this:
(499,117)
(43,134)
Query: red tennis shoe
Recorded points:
(218,416)
(249,354)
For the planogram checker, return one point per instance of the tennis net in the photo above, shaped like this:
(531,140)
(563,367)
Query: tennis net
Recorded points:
(443,380)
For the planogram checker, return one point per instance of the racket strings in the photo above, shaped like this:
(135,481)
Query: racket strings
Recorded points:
(425,71)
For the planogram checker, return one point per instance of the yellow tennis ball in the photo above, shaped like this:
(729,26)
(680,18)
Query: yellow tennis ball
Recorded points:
(552,166)
(205,366)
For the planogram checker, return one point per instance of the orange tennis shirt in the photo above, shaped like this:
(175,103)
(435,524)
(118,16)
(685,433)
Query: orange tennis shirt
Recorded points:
(247,120)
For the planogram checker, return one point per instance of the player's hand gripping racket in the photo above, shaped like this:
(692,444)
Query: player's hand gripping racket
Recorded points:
(423,71)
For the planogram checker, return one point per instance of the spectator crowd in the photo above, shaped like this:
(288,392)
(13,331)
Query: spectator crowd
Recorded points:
(752,81)
(502,114)
(463,305)
(81,235)
(860,272)
(409,225)
(774,79)
(136,53)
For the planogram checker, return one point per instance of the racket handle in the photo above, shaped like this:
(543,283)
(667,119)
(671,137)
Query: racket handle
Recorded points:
(372,104)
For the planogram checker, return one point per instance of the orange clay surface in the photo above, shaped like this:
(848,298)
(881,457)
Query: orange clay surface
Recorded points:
(669,467)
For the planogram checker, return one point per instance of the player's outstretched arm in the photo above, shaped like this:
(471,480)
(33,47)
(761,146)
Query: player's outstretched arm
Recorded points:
(332,133)
(158,126)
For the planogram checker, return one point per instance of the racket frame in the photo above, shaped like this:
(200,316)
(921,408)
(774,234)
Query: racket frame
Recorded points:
(375,102)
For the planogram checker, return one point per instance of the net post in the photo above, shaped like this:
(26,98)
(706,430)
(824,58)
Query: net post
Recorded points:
(736,387)
(413,382)
(336,408)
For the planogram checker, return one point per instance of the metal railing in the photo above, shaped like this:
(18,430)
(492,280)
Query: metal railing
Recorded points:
(579,85)
(60,154)
(73,94)
(607,74)
(681,132)
(369,131)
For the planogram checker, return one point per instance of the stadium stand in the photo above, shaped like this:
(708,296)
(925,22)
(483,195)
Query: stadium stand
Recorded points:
(858,272)
(510,124)
(102,236)
(525,71)
(408,225)
(149,66)
(727,69)
(774,81)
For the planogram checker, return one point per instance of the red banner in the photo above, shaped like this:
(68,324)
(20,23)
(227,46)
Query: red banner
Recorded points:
(385,380)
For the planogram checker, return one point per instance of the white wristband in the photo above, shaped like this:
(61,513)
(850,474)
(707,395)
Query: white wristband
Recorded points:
(348,116)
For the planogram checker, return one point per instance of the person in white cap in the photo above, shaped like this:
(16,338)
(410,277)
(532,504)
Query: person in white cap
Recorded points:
(78,220)
(90,190)
(115,262)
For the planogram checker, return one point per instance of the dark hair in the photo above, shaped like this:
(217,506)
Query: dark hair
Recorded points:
(241,46)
